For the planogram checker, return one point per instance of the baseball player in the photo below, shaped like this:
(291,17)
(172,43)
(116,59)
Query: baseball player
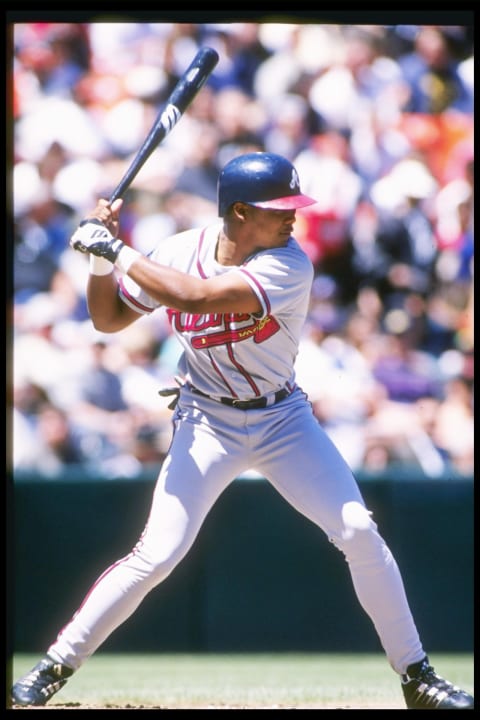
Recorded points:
(237,294)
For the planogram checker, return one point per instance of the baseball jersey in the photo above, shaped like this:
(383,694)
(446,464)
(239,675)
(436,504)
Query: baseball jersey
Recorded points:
(236,355)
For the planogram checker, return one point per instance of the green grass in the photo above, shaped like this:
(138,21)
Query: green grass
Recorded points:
(282,680)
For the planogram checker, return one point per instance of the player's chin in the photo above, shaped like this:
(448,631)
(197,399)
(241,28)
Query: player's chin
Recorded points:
(278,240)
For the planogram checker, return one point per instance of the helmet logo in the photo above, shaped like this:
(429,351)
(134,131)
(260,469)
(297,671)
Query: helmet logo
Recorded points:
(294,182)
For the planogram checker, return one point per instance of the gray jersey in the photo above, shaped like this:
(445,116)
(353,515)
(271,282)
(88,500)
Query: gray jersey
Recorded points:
(236,355)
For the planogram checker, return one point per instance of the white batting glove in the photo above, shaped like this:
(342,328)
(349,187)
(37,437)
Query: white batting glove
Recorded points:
(93,237)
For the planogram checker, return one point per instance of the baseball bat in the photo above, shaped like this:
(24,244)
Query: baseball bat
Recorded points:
(180,98)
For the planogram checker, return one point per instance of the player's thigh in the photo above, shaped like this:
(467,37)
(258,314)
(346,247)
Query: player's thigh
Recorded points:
(200,462)
(305,466)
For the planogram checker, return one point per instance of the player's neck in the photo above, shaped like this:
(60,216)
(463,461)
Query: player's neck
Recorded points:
(228,252)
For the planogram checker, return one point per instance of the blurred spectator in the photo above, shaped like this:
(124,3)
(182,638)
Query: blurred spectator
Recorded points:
(54,119)
(332,369)
(141,375)
(146,213)
(200,174)
(453,429)
(290,125)
(379,123)
(454,226)
(61,445)
(100,386)
(241,53)
(101,414)
(46,442)
(296,54)
(361,79)
(324,227)
(39,355)
(57,54)
(395,438)
(379,456)
(406,247)
(441,319)
(361,96)
(34,263)
(149,447)
(193,199)
(240,121)
(40,226)
(432,74)
(406,372)
(433,460)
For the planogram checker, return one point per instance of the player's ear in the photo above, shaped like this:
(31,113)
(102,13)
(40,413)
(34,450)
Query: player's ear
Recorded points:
(240,211)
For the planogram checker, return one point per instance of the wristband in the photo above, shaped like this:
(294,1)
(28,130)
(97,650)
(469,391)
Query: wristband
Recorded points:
(126,258)
(100,265)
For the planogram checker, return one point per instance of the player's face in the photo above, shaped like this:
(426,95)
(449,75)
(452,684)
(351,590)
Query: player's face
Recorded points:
(271,228)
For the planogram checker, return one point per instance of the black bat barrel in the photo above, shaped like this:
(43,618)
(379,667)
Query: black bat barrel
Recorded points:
(180,98)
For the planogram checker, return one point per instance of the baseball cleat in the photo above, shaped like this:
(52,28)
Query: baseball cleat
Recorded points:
(38,686)
(423,689)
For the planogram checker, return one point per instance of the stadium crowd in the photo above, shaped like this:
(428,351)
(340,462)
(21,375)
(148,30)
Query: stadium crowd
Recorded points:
(378,121)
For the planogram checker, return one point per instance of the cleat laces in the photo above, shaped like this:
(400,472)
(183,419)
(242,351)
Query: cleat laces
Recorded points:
(43,681)
(423,688)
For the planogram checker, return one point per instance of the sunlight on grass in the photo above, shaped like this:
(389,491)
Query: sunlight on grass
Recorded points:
(245,680)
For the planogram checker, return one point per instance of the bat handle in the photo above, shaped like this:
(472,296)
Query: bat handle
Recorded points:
(119,191)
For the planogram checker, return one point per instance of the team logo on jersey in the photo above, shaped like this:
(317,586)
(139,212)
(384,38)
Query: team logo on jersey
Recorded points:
(260,329)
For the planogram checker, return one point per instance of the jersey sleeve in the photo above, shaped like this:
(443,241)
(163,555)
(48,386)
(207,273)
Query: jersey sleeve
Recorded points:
(136,298)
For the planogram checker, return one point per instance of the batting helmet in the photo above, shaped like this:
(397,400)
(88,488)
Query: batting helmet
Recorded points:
(262,179)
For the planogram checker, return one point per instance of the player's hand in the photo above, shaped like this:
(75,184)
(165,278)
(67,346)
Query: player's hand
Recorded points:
(108,214)
(93,237)
(97,233)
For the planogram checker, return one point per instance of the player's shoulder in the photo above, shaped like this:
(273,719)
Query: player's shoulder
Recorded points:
(294,246)
(187,240)
(293,252)
(289,260)
(184,236)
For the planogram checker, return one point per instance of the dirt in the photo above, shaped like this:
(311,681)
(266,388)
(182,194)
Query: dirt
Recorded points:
(79,706)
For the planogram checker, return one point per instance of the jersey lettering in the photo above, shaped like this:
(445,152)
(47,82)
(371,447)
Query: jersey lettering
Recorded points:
(260,329)
(190,322)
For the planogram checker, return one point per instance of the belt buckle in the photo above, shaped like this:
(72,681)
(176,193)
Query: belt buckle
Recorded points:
(261,402)
(241,404)
(248,404)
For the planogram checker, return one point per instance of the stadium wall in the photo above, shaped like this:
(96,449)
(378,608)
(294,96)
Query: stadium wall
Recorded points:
(260,577)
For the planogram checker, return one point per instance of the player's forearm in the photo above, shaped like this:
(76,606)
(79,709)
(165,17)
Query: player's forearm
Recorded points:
(225,293)
(171,287)
(167,286)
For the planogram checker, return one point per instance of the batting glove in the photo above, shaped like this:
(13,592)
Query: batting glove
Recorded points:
(93,237)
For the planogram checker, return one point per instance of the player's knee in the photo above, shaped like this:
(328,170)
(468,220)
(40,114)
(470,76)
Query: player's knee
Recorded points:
(358,537)
(154,563)
(162,566)
(355,519)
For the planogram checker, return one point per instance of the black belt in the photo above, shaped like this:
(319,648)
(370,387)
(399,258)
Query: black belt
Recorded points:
(255,404)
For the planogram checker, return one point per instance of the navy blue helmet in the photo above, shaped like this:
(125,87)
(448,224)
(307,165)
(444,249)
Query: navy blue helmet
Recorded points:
(262,179)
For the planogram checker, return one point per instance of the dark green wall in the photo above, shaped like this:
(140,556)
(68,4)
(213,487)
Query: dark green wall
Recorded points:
(260,576)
